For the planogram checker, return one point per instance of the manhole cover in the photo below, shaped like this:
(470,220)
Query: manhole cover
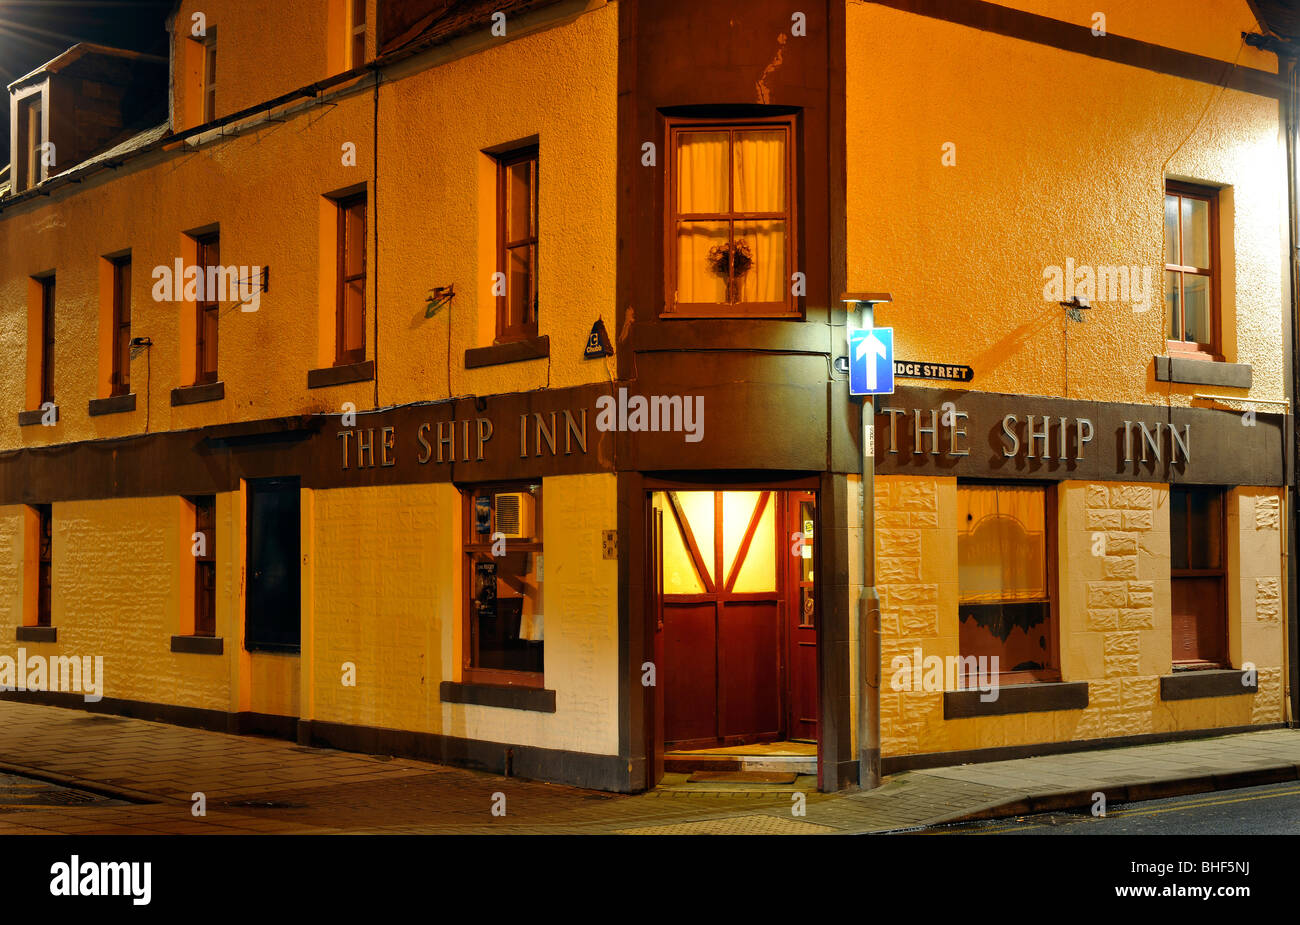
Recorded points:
(735,825)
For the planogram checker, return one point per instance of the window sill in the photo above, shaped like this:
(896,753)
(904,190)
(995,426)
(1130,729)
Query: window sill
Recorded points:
(704,314)
(38,634)
(199,645)
(340,375)
(28,418)
(1204,371)
(1211,682)
(1043,697)
(516,351)
(197,394)
(114,404)
(508,697)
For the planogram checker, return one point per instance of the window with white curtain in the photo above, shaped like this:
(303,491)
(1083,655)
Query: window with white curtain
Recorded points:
(1004,544)
(731,247)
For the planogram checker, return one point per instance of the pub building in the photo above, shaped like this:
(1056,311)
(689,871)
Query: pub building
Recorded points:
(537,456)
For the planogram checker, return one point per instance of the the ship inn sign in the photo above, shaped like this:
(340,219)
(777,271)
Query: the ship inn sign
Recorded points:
(986,435)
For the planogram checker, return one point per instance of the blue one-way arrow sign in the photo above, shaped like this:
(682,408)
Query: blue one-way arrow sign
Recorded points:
(871,361)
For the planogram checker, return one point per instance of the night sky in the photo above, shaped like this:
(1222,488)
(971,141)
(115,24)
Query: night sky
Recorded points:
(34,31)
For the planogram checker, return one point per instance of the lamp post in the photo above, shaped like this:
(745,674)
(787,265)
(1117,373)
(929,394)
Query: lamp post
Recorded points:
(868,599)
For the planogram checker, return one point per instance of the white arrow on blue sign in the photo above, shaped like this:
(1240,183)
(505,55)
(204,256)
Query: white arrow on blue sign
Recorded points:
(871,361)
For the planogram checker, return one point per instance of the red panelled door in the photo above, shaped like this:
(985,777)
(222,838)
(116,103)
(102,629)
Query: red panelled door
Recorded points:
(728,584)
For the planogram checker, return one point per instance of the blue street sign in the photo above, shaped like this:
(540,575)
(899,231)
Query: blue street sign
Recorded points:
(871,361)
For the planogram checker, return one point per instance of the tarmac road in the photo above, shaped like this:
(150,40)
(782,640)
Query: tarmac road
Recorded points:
(1270,810)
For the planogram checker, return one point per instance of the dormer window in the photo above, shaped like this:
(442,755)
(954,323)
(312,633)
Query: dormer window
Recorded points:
(29,146)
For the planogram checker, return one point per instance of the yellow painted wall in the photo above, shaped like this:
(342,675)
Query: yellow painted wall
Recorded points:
(387,597)
(1051,163)
(1113,614)
(1208,27)
(554,77)
(116,593)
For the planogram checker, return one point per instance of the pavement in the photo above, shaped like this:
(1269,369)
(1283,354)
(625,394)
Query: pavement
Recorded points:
(151,778)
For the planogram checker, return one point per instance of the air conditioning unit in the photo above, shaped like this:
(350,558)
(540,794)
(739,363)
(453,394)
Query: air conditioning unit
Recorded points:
(514,515)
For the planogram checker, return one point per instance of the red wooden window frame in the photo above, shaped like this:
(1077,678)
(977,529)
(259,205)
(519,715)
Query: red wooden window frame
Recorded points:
(1212,610)
(205,566)
(357,39)
(47,339)
(45,564)
(1051,671)
(522,324)
(210,76)
(121,334)
(789,306)
(207,309)
(1194,349)
(350,207)
(480,544)
(31,132)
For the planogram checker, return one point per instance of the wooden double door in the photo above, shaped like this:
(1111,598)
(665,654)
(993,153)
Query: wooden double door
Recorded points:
(736,616)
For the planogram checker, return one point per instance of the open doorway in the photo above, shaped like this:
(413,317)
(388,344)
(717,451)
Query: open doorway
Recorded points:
(735,609)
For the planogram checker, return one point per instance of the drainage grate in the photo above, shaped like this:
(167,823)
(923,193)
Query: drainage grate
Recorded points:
(735,825)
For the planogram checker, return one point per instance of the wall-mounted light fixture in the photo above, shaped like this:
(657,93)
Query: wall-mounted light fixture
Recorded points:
(1075,306)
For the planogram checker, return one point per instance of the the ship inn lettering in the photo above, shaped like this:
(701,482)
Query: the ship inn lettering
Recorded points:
(541,433)
(946,431)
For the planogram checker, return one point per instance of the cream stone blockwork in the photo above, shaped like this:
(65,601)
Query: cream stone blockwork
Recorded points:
(916,577)
(1113,613)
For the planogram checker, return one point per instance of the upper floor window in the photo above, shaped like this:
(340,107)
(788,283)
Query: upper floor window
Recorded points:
(731,221)
(121,333)
(1191,265)
(30,142)
(357,33)
(351,294)
(208,252)
(203,76)
(47,339)
(517,244)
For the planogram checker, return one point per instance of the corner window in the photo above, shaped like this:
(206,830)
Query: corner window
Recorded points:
(1197,578)
(504,628)
(731,218)
(1191,262)
(1004,549)
(517,244)
(350,333)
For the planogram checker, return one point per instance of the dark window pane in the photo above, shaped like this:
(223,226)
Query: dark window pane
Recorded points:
(1178,528)
(1205,529)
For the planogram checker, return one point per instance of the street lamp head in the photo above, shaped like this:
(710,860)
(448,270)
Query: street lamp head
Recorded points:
(866,298)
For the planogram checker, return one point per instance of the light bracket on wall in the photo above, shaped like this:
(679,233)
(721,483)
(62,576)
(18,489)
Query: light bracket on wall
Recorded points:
(437,298)
(1075,307)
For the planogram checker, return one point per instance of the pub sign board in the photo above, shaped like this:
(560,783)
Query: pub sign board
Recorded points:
(996,436)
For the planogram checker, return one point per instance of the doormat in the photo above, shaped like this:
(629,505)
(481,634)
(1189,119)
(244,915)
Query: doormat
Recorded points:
(742,777)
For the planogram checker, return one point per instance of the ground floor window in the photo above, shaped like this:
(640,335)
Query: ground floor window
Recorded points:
(1004,552)
(504,628)
(1197,577)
